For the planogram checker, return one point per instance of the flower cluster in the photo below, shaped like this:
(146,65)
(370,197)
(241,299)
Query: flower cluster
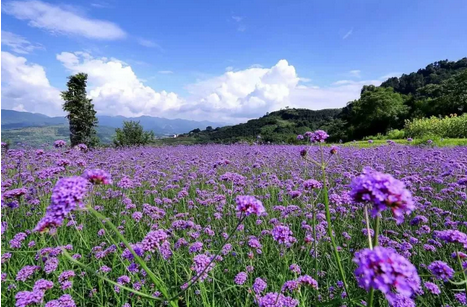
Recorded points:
(383,191)
(67,195)
(385,270)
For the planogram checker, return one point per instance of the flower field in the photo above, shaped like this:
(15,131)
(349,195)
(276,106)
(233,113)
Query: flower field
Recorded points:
(235,225)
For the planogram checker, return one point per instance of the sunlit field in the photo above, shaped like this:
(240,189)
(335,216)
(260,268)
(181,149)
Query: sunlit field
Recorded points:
(235,225)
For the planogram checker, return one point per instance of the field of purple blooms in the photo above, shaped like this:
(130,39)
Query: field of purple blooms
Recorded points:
(234,225)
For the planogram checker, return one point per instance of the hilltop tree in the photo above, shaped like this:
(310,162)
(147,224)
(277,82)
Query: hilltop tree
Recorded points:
(132,134)
(81,114)
(377,110)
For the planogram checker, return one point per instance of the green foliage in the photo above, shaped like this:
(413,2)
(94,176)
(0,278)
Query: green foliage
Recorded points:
(81,114)
(395,134)
(132,134)
(434,73)
(448,127)
(275,127)
(378,110)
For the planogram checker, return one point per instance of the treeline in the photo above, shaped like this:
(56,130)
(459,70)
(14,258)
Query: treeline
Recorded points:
(440,90)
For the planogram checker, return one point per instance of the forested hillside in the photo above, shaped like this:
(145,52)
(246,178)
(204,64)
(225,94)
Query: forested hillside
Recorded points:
(440,89)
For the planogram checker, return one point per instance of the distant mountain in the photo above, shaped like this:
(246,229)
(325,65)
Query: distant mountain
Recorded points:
(161,126)
(44,136)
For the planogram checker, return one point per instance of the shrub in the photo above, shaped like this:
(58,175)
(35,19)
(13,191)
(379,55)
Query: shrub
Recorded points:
(448,127)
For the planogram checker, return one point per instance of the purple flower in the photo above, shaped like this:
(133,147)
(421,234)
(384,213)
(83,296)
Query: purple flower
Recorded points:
(441,270)
(42,285)
(196,247)
(385,270)
(67,194)
(312,184)
(384,191)
(461,298)
(15,193)
(249,205)
(97,176)
(273,299)
(300,137)
(333,150)
(451,236)
(59,143)
(283,235)
(27,298)
(51,265)
(433,288)
(64,301)
(295,268)
(259,285)
(403,301)
(319,136)
(307,280)
(241,278)
(200,264)
(153,240)
(26,272)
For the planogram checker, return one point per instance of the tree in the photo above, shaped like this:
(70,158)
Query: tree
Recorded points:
(378,110)
(81,115)
(132,134)
(209,128)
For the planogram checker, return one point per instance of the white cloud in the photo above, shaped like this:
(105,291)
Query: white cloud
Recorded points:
(115,88)
(62,20)
(25,87)
(165,72)
(229,68)
(355,73)
(241,95)
(237,18)
(348,34)
(18,43)
(390,75)
(234,96)
(148,43)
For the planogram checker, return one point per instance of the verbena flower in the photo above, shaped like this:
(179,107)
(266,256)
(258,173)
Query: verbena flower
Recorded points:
(433,288)
(67,195)
(240,278)
(385,270)
(451,236)
(383,191)
(97,176)
(249,205)
(259,285)
(441,270)
(319,136)
(27,298)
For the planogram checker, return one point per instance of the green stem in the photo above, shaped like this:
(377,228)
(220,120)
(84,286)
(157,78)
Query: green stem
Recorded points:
(371,295)
(333,241)
(194,280)
(367,219)
(140,261)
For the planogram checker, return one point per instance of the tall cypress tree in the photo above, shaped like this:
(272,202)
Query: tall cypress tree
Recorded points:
(81,115)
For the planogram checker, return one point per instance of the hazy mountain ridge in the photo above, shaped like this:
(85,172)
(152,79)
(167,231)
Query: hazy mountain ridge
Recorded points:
(17,120)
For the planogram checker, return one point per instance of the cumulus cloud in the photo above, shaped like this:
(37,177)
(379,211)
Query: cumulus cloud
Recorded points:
(62,20)
(25,87)
(234,96)
(241,95)
(115,88)
(18,43)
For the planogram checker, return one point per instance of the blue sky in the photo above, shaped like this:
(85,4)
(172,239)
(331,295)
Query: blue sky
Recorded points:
(193,59)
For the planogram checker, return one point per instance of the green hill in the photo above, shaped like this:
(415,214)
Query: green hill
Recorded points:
(275,127)
(46,135)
